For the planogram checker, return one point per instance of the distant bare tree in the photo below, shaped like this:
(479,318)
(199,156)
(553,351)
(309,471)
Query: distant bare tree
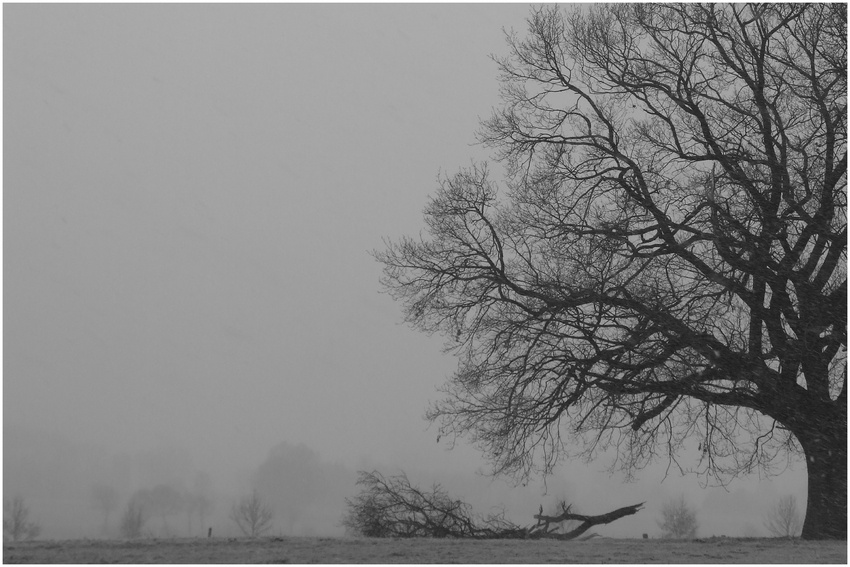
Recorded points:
(784,520)
(105,499)
(16,524)
(678,520)
(133,519)
(162,501)
(252,515)
(296,483)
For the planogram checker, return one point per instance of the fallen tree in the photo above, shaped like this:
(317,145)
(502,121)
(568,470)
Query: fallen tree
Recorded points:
(544,522)
(392,507)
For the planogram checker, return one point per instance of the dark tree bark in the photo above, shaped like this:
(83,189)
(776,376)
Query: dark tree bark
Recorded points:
(668,265)
(542,529)
(824,443)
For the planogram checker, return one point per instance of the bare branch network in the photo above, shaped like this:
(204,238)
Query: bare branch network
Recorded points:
(783,519)
(252,515)
(17,525)
(392,507)
(666,265)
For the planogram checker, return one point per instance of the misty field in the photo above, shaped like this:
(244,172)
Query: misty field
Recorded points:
(349,550)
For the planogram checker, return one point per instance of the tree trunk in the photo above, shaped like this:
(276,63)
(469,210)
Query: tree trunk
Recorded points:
(542,527)
(824,443)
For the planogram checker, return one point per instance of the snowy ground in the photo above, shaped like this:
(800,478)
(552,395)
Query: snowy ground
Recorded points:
(346,550)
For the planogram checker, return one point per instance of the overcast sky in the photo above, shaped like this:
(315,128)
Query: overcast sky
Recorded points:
(191,193)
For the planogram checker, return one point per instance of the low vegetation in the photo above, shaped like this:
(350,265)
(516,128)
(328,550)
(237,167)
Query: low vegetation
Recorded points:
(426,551)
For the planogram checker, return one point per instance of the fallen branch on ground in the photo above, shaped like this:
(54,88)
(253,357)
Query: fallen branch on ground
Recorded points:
(587,522)
(392,507)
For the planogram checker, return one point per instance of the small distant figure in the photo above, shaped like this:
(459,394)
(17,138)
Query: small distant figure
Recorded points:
(645,536)
(209,532)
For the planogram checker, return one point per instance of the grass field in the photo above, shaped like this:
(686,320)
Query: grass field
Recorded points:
(350,550)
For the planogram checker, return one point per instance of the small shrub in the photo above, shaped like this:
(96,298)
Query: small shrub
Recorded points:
(678,520)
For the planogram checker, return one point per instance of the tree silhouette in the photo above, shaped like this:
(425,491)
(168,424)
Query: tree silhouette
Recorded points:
(678,520)
(783,520)
(296,483)
(16,522)
(105,499)
(668,261)
(133,519)
(163,500)
(252,515)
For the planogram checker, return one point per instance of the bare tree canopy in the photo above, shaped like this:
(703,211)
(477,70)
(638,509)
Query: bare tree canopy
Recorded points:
(392,507)
(252,515)
(783,520)
(133,519)
(16,523)
(105,499)
(667,260)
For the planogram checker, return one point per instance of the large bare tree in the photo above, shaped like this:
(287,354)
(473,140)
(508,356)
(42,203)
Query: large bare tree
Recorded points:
(666,264)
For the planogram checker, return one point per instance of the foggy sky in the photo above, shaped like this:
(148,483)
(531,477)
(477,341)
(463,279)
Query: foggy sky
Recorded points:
(191,193)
